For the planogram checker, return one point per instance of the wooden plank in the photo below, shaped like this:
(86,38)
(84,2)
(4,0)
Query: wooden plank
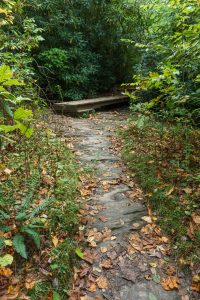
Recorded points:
(89,104)
(92,101)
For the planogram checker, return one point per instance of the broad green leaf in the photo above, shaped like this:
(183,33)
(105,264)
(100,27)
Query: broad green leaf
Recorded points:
(6,260)
(5,73)
(8,128)
(6,77)
(23,114)
(56,296)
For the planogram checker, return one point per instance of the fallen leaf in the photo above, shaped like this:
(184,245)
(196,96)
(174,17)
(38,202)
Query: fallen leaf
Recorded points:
(30,283)
(196,278)
(154,264)
(79,253)
(6,260)
(196,287)
(170,270)
(103,218)
(55,241)
(104,249)
(136,225)
(6,272)
(152,297)
(147,219)
(102,282)
(92,288)
(164,239)
(170,191)
(170,283)
(156,278)
(7,171)
(48,180)
(196,218)
(107,264)
(187,190)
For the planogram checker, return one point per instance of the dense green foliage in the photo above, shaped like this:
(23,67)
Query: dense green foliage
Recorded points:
(167,76)
(37,171)
(82,53)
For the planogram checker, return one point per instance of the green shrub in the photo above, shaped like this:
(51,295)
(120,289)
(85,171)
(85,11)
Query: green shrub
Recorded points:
(83,53)
(167,75)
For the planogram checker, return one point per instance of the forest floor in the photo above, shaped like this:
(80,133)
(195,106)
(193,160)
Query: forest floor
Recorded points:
(124,255)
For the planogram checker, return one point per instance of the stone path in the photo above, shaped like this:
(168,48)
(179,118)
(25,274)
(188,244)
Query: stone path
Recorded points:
(137,261)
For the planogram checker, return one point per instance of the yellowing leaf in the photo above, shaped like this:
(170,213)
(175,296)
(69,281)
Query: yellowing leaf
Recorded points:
(6,260)
(8,242)
(170,191)
(55,241)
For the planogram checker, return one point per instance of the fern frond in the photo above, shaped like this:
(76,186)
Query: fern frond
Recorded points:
(28,199)
(39,208)
(2,242)
(19,245)
(33,234)
(3,215)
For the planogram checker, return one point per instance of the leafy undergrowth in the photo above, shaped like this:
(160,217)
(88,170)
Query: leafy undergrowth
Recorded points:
(38,216)
(164,158)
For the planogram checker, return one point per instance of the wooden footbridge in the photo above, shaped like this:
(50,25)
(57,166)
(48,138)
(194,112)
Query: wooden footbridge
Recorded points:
(81,106)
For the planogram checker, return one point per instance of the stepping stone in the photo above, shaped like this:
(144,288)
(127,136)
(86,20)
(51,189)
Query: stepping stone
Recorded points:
(82,106)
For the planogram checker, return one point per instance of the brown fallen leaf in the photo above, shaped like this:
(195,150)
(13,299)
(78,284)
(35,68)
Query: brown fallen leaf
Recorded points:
(106,263)
(102,283)
(6,272)
(48,180)
(147,219)
(187,190)
(170,283)
(196,218)
(49,296)
(170,191)
(170,270)
(196,287)
(7,171)
(103,218)
(136,225)
(104,249)
(107,233)
(165,239)
(92,288)
(90,256)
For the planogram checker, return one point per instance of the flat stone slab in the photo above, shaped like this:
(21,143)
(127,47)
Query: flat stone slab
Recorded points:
(87,105)
(132,276)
